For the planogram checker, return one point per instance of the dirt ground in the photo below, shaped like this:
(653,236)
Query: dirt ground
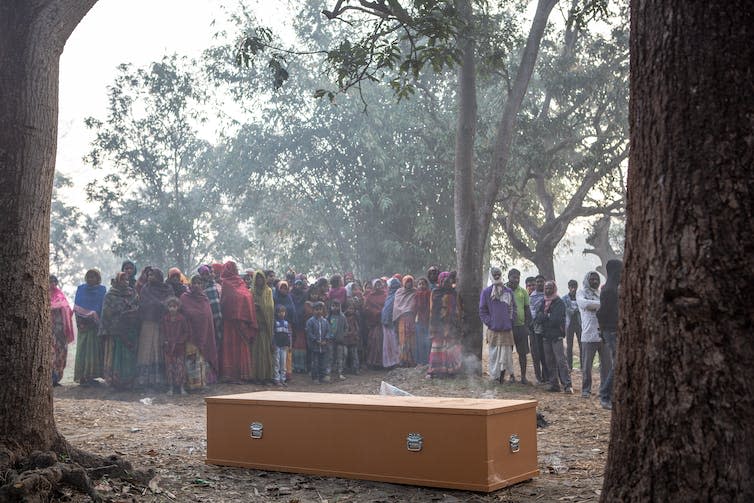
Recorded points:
(168,435)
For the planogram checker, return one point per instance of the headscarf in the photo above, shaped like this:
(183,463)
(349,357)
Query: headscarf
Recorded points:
(374,301)
(405,299)
(443,298)
(118,316)
(204,269)
(285,299)
(497,284)
(589,292)
(218,269)
(173,271)
(152,298)
(387,310)
(143,278)
(550,298)
(195,307)
(236,301)
(59,301)
(88,300)
(132,277)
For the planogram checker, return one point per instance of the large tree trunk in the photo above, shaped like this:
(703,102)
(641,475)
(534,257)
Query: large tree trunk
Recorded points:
(684,406)
(468,251)
(32,36)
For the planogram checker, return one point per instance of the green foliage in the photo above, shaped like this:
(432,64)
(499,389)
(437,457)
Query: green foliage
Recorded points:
(159,192)
(70,230)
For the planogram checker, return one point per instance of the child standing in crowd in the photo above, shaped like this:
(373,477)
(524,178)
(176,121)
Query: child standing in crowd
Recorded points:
(338,328)
(175,329)
(282,341)
(318,337)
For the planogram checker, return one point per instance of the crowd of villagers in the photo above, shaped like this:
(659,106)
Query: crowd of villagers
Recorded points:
(180,334)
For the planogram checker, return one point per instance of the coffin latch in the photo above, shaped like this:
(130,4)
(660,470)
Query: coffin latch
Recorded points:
(256,430)
(414,442)
(515,443)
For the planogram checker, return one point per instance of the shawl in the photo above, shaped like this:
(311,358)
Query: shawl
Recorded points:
(236,300)
(550,298)
(88,301)
(298,296)
(405,300)
(143,278)
(179,288)
(118,311)
(285,299)
(152,296)
(218,270)
(195,307)
(58,301)
(264,303)
(373,304)
(422,305)
(497,284)
(443,299)
(589,293)
(387,309)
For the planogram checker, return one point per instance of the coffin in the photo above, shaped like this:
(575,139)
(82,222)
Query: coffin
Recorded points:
(458,443)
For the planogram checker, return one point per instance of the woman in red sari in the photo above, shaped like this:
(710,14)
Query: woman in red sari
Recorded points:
(201,351)
(374,301)
(62,329)
(239,326)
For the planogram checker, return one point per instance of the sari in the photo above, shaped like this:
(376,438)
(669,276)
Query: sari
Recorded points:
(119,331)
(239,326)
(62,332)
(262,350)
(150,361)
(404,314)
(374,301)
(89,356)
(445,354)
(299,348)
(201,351)
(390,349)
(423,342)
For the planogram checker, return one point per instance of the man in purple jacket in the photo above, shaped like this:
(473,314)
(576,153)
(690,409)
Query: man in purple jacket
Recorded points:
(497,309)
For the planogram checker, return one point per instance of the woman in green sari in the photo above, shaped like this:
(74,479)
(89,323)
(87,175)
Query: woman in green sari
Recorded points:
(262,349)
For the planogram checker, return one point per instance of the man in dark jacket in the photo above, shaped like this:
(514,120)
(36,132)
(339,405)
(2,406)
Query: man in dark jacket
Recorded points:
(607,316)
(551,315)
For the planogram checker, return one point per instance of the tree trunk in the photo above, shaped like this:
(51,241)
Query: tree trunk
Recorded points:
(545,263)
(684,406)
(32,35)
(468,251)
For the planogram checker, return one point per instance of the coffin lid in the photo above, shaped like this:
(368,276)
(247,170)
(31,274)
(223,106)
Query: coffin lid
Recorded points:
(444,405)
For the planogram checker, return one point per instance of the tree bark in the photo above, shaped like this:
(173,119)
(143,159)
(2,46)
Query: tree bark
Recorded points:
(468,251)
(32,36)
(684,406)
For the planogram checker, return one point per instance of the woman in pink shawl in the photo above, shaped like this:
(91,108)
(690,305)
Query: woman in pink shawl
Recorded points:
(62,329)
(201,351)
(404,316)
(239,326)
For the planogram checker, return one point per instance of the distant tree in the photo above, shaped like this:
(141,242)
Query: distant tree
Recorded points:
(70,229)
(158,192)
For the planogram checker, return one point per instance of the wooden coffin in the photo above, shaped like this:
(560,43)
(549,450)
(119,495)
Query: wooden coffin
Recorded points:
(458,443)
